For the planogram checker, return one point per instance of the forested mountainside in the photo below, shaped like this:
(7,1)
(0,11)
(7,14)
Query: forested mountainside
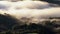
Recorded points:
(9,25)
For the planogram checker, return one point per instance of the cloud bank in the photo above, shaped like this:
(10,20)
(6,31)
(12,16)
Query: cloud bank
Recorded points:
(32,10)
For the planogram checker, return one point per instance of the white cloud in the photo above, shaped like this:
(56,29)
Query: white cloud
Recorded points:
(21,9)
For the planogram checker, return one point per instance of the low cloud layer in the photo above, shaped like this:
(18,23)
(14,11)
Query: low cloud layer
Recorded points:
(34,10)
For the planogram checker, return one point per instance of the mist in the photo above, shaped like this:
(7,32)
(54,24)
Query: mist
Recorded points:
(33,10)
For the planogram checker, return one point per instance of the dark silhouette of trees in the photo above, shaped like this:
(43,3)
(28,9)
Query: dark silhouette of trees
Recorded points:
(33,28)
(6,22)
(10,25)
(52,1)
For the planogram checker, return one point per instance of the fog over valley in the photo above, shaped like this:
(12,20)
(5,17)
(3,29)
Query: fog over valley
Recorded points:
(28,9)
(29,17)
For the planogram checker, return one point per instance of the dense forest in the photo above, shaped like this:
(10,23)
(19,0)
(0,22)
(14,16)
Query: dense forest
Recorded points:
(10,25)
